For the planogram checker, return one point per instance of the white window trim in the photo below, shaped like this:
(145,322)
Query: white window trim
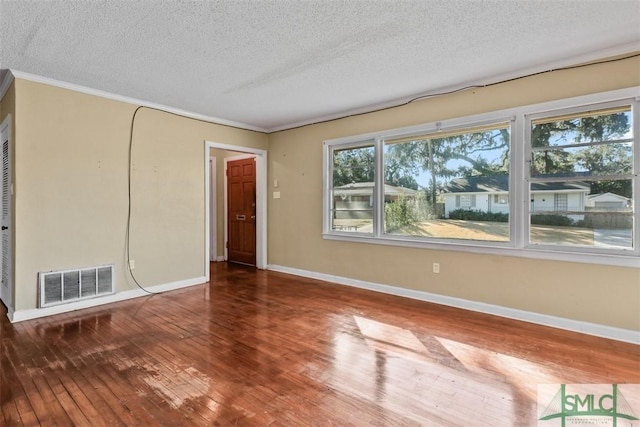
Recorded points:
(518,194)
(327,176)
(584,108)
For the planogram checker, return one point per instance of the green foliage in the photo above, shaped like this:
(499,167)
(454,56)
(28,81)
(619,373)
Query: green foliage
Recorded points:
(400,166)
(465,154)
(581,129)
(486,153)
(556,220)
(477,153)
(478,215)
(598,159)
(622,188)
(399,213)
(353,165)
(405,181)
(552,162)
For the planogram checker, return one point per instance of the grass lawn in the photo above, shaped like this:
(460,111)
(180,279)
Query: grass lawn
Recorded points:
(477,230)
(495,232)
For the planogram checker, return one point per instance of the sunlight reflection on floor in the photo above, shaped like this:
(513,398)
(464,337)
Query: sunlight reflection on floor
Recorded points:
(393,367)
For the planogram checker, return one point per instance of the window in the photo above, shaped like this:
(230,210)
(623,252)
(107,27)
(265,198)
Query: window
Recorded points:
(352,185)
(439,184)
(564,186)
(466,201)
(580,156)
(500,199)
(560,202)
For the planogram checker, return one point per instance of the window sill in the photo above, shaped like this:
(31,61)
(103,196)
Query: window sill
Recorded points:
(502,249)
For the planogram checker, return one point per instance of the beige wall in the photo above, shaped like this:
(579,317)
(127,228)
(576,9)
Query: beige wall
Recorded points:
(593,293)
(71,188)
(70,205)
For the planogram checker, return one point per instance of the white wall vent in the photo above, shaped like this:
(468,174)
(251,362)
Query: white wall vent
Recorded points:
(60,287)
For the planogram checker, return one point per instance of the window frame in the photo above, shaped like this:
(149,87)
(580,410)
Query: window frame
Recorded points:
(519,195)
(328,184)
(583,111)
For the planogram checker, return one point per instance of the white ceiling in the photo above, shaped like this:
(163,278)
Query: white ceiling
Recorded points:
(273,64)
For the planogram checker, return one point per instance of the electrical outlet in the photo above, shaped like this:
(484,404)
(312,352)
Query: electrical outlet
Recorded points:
(436,267)
(132,264)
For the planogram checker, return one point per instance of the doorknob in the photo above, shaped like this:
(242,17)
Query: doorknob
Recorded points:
(4,227)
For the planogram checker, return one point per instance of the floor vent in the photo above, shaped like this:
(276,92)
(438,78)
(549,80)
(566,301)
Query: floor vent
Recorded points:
(60,287)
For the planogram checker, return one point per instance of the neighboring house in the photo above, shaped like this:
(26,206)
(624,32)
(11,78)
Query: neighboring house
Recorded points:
(355,201)
(618,212)
(607,201)
(491,194)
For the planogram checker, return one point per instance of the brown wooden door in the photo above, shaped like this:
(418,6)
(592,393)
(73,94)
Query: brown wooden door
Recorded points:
(241,211)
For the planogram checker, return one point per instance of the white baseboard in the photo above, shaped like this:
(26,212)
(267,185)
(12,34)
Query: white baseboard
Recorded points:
(220,259)
(21,315)
(595,329)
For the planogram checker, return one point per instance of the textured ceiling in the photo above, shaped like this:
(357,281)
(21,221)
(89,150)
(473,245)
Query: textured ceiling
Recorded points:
(272,64)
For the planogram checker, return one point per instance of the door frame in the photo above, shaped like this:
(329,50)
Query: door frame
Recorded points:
(261,199)
(213,210)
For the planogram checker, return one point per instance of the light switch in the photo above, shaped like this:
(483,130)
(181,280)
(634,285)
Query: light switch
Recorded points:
(275,183)
(276,194)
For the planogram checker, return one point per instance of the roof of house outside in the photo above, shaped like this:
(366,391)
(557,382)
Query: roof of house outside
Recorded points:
(365,188)
(500,184)
(607,196)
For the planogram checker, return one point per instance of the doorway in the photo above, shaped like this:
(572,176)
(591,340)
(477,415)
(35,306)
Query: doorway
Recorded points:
(211,183)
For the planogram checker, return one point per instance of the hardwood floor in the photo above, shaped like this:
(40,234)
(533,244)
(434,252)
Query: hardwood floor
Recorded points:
(257,348)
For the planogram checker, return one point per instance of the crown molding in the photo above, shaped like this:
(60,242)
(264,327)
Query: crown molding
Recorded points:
(591,57)
(129,100)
